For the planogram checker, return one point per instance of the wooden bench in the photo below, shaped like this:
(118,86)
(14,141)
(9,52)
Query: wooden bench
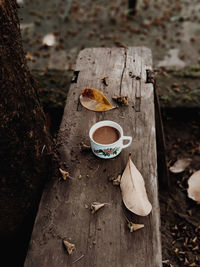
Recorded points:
(103,238)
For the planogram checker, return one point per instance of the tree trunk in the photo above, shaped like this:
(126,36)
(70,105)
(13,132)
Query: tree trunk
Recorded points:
(24,139)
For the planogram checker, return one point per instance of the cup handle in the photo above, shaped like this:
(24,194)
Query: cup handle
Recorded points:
(129,138)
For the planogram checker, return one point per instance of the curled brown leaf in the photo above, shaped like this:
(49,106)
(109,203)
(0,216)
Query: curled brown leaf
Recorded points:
(64,174)
(69,246)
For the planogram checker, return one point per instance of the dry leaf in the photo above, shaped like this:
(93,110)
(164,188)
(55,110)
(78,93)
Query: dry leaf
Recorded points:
(84,147)
(180,165)
(133,191)
(69,246)
(194,187)
(95,206)
(193,265)
(186,262)
(65,174)
(93,99)
(134,227)
(122,100)
(117,181)
(29,56)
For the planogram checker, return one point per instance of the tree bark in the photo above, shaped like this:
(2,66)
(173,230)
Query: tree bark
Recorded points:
(24,139)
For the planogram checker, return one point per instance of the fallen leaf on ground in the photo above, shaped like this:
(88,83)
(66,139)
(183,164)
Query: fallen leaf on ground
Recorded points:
(93,99)
(134,227)
(122,100)
(29,56)
(193,264)
(65,174)
(180,165)
(133,191)
(69,246)
(95,206)
(84,147)
(194,187)
(117,181)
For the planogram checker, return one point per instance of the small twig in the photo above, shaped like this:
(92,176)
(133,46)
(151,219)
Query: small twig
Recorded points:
(78,259)
(43,149)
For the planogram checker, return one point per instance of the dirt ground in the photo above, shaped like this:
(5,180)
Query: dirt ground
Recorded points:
(171,30)
(180,215)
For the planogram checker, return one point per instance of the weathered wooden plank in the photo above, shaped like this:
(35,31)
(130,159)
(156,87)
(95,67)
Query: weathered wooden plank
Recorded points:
(103,238)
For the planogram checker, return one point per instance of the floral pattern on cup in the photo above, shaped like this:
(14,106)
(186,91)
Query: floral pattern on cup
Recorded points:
(107,152)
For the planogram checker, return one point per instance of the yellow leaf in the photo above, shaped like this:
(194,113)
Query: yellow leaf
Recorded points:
(93,99)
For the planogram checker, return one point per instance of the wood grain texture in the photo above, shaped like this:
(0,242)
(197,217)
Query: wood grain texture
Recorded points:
(103,238)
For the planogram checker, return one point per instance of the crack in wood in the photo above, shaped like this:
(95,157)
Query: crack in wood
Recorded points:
(75,76)
(137,104)
(138,96)
(125,59)
(79,106)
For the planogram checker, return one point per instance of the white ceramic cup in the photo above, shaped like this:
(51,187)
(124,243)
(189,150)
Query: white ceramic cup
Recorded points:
(108,151)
